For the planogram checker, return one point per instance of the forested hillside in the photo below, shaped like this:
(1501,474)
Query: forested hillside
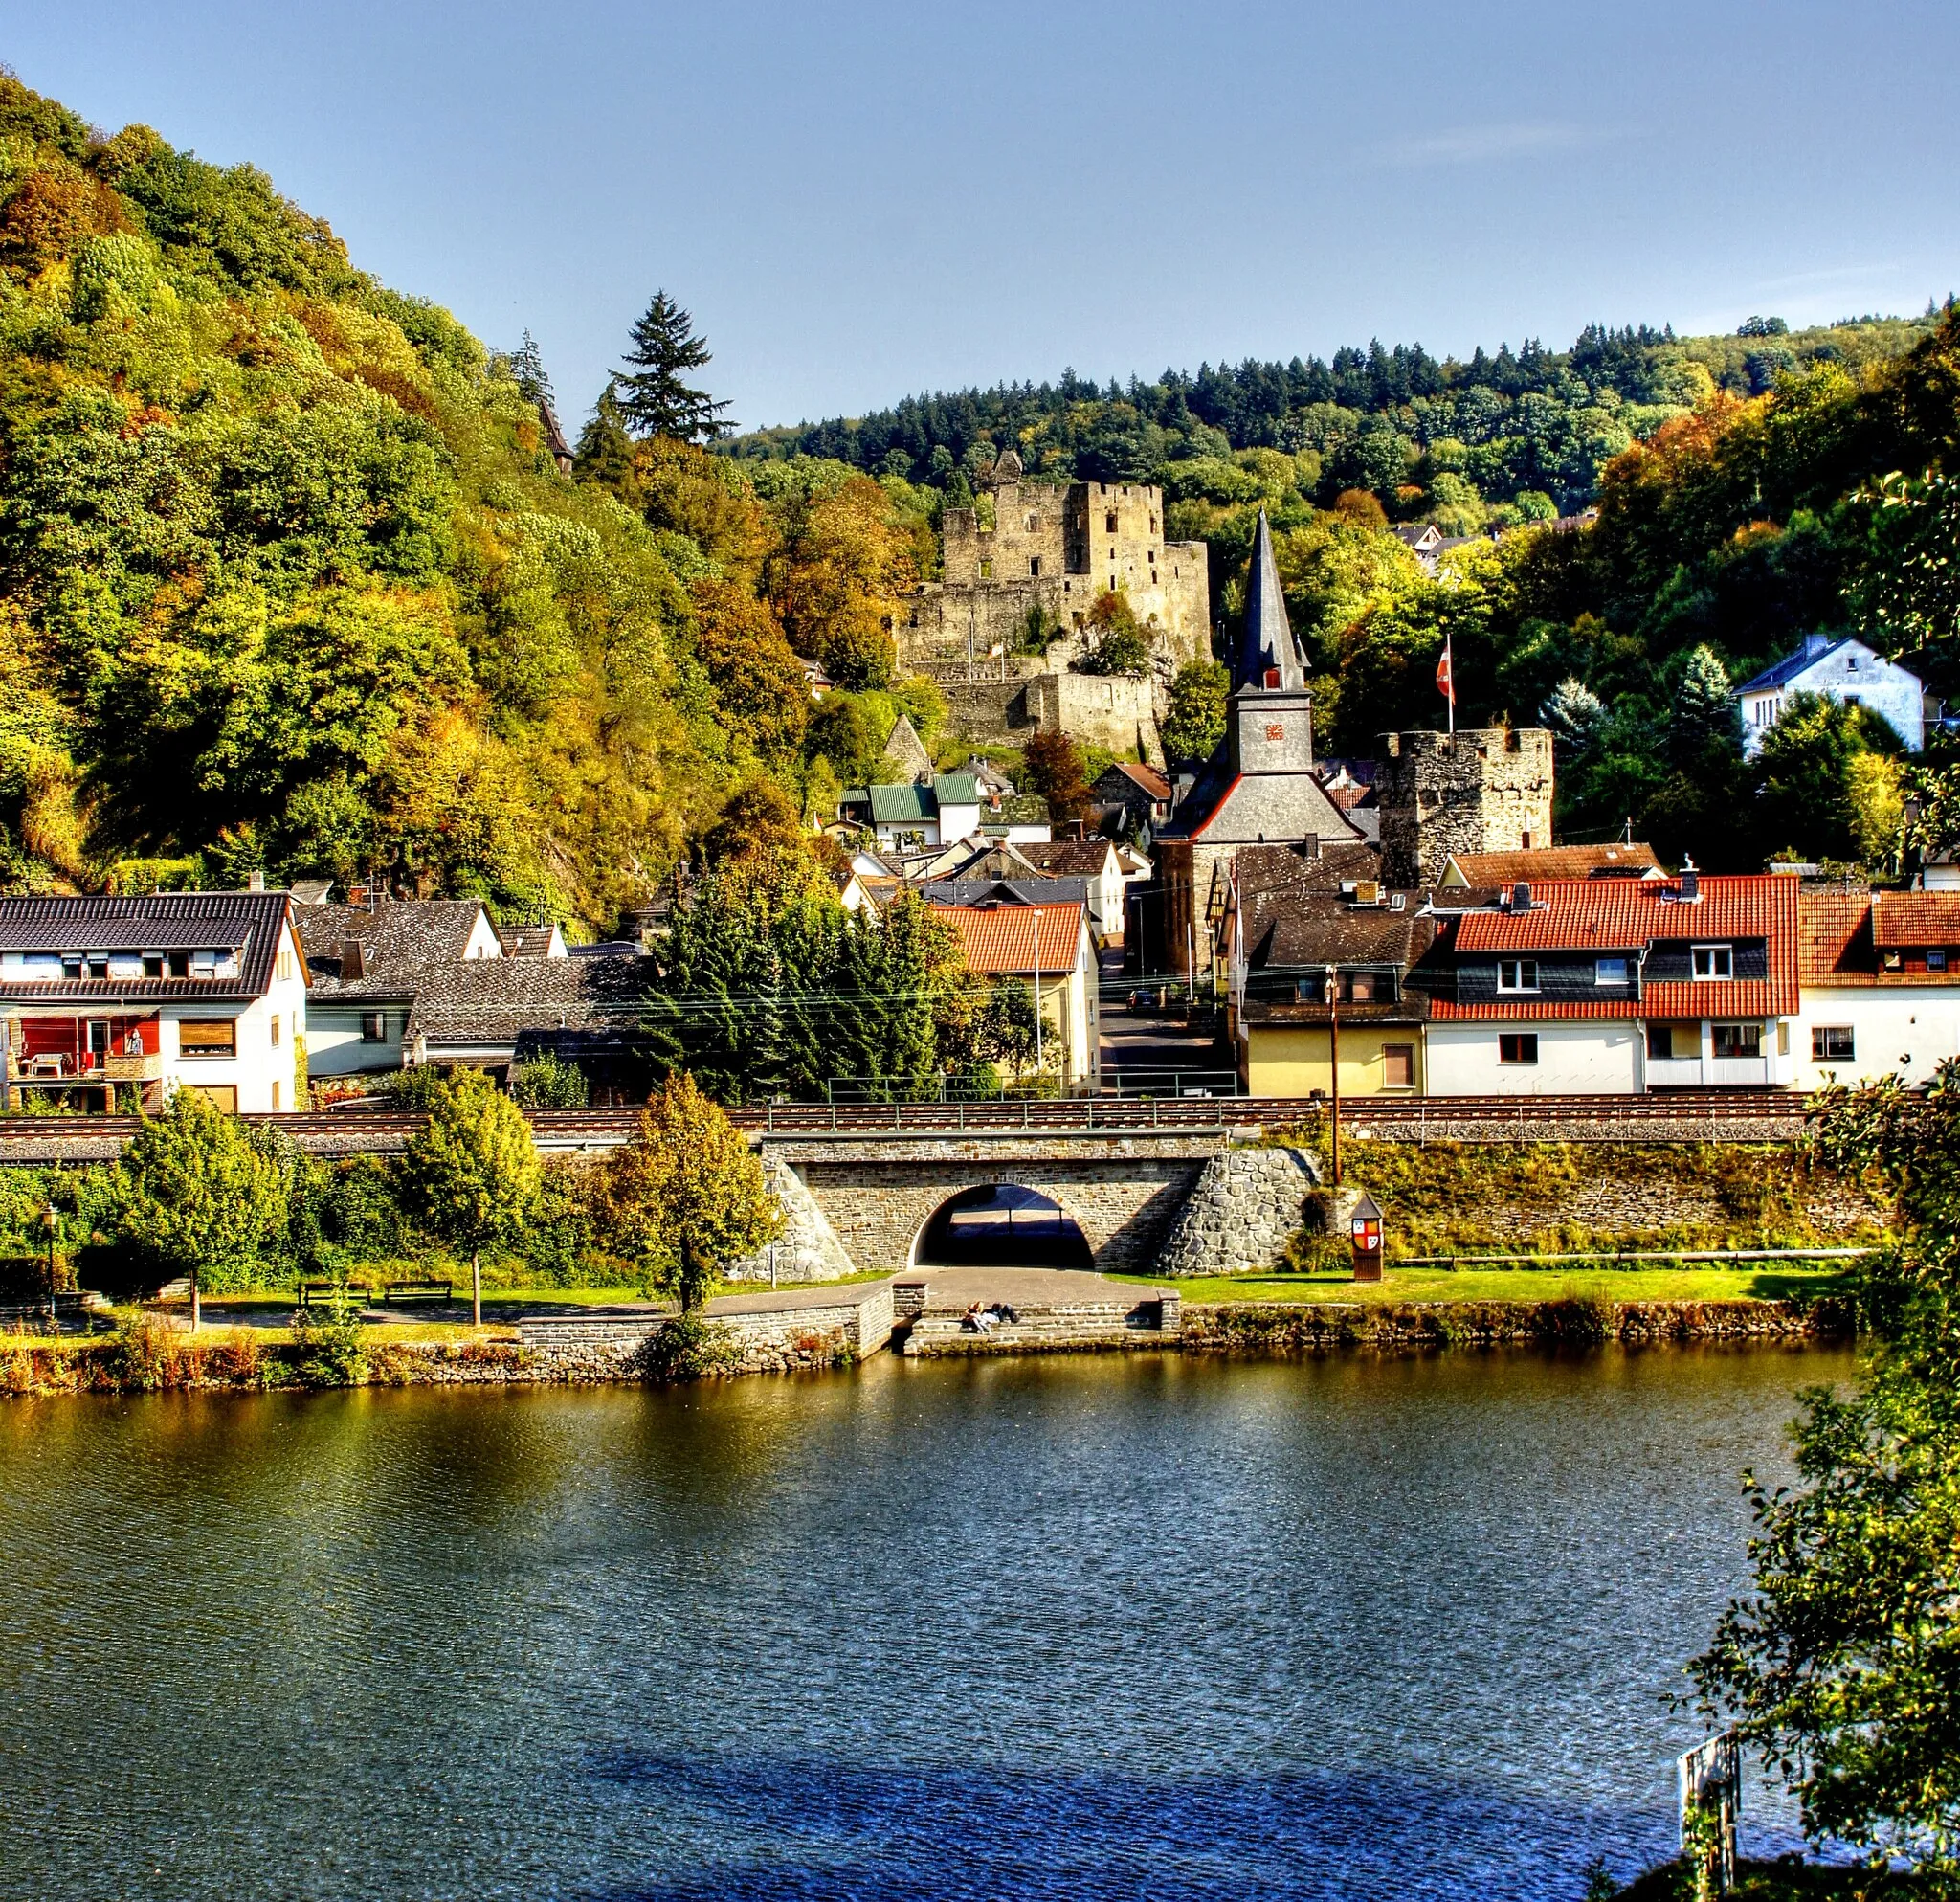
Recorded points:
(289,579)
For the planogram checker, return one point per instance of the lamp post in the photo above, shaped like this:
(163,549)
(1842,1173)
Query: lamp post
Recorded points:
(1334,1064)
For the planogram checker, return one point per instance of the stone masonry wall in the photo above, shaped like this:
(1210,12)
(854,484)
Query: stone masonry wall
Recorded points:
(1242,1210)
(782,1340)
(808,1250)
(1483,789)
(1124,1207)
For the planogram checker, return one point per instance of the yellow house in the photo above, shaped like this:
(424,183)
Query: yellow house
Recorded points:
(1291,1058)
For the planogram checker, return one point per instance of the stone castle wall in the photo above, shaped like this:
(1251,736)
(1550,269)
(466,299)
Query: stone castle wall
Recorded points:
(1480,790)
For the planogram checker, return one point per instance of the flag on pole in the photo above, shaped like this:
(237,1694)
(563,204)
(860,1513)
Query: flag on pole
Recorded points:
(1445,682)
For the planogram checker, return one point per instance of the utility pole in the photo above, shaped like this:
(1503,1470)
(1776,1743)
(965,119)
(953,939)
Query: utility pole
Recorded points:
(1037,991)
(1334,1052)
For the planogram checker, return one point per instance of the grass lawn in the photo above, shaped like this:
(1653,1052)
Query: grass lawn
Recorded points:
(1769,1283)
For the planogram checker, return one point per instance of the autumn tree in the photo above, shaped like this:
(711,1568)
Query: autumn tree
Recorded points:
(654,398)
(847,563)
(757,820)
(686,1197)
(757,680)
(471,1173)
(1054,769)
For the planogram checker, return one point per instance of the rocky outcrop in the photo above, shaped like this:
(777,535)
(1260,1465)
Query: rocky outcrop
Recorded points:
(1243,1210)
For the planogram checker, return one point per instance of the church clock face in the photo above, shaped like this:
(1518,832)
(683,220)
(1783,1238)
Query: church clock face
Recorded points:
(1276,732)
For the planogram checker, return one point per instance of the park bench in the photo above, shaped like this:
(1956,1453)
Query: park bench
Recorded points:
(312,1291)
(418,1290)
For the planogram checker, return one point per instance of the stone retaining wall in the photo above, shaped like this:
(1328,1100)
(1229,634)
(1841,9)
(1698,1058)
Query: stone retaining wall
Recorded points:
(807,1248)
(1315,1326)
(1241,1213)
(615,1347)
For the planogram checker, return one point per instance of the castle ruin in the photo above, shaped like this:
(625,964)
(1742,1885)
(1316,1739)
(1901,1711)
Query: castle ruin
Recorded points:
(1040,566)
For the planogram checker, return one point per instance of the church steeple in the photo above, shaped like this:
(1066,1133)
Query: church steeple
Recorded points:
(1267,654)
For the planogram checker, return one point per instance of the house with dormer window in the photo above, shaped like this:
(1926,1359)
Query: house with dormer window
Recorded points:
(133,998)
(1618,986)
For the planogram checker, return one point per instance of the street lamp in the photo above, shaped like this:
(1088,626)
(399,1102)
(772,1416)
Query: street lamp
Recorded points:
(1334,1064)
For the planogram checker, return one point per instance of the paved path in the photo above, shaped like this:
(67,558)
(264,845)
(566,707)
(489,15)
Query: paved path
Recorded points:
(953,1290)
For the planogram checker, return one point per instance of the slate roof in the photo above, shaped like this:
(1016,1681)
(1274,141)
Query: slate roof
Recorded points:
(1145,778)
(1626,915)
(1006,891)
(525,940)
(1266,640)
(1803,660)
(1211,793)
(1003,938)
(244,923)
(1264,869)
(1068,858)
(1556,861)
(489,1000)
(397,938)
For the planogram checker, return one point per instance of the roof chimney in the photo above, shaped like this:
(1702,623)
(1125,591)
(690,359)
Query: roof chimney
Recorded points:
(1520,895)
(1690,886)
(354,960)
(255,880)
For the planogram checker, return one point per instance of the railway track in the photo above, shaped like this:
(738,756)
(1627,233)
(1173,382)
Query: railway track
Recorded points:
(1732,1114)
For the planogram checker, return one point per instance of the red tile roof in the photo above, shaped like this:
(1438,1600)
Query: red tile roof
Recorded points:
(1556,861)
(1001,938)
(1908,918)
(1148,777)
(1833,938)
(1629,914)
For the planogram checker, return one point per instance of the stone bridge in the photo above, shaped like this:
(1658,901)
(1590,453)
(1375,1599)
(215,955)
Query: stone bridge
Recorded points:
(1175,1202)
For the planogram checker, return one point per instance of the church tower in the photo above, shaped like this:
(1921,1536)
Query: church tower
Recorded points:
(1269,716)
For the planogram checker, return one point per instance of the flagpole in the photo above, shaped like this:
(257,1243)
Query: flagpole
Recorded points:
(1450,661)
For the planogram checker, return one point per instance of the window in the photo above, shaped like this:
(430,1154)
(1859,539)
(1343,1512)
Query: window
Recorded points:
(284,968)
(1398,1067)
(1518,1048)
(1034,522)
(1610,970)
(374,1026)
(1833,1044)
(1891,960)
(1035,565)
(1110,522)
(274,1034)
(1306,990)
(1360,987)
(207,1037)
(1712,962)
(1936,960)
(275,1092)
(221,1096)
(987,570)
(1660,1043)
(1738,1042)
(1517,974)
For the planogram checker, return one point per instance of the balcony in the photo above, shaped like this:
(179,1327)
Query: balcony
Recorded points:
(1713,1073)
(146,1067)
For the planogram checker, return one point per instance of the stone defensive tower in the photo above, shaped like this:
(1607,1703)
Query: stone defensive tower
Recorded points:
(1480,790)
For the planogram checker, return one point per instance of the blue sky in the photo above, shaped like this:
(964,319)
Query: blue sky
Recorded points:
(862,201)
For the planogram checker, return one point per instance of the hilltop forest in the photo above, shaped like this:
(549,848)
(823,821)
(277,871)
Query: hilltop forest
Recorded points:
(290,578)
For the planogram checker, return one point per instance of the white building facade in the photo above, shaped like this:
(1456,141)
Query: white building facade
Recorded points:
(1846,670)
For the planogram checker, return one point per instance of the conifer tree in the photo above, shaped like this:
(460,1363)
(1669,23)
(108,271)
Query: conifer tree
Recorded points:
(1705,710)
(653,398)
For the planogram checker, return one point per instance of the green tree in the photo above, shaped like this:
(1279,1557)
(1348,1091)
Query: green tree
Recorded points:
(1803,773)
(1574,715)
(1842,1666)
(1119,643)
(198,1197)
(1704,717)
(471,1173)
(654,399)
(1195,723)
(686,1197)
(548,1083)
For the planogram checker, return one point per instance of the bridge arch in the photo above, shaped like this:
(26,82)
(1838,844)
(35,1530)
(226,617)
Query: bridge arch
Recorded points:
(1001,1224)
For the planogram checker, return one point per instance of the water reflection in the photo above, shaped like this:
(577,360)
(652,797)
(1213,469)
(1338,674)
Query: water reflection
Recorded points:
(1086,1627)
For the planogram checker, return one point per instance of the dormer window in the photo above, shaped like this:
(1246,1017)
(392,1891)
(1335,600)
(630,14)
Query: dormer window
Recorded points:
(1517,974)
(1713,962)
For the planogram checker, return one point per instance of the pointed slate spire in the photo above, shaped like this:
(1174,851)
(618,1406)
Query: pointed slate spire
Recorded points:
(1267,642)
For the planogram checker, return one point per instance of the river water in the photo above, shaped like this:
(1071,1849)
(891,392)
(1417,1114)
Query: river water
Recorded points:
(1070,1628)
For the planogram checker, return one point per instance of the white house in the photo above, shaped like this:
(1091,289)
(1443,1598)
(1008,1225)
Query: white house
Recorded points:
(1881,977)
(200,991)
(1846,669)
(1618,985)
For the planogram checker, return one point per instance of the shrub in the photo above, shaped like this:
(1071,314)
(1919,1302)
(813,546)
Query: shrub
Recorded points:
(545,1083)
(329,1342)
(691,1347)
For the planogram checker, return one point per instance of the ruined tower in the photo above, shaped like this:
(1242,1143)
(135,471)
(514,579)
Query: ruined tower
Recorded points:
(1479,790)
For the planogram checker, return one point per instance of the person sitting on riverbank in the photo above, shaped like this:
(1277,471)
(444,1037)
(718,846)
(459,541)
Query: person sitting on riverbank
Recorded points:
(981,1320)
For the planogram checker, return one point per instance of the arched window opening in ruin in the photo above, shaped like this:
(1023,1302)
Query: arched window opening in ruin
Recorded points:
(1001,1224)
